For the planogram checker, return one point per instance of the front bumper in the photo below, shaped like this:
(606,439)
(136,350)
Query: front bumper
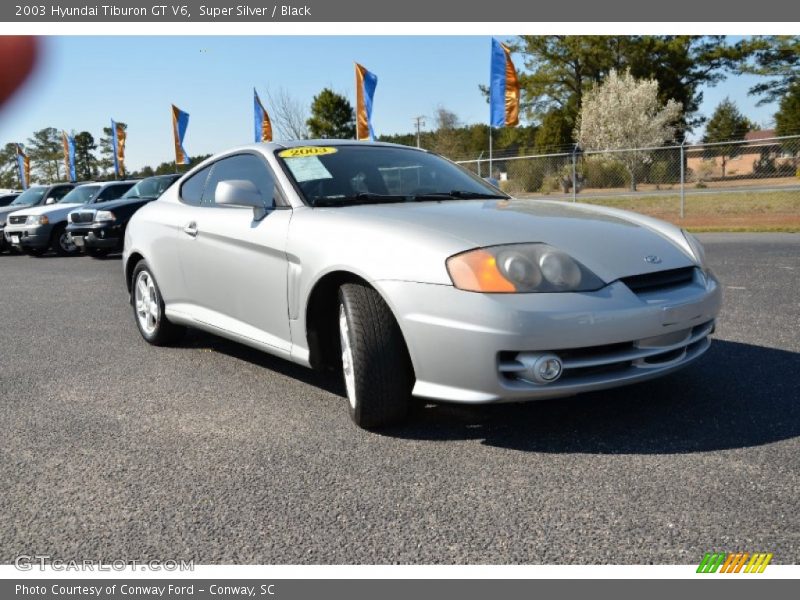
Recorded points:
(96,235)
(24,236)
(464,346)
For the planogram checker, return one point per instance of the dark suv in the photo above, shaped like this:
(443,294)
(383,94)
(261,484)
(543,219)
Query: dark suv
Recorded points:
(99,231)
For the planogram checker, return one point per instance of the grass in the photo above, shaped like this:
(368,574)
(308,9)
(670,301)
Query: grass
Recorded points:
(724,211)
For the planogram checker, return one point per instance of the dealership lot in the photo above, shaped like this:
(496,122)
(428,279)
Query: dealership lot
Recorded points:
(112,449)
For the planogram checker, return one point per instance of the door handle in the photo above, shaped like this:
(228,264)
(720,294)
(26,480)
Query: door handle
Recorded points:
(190,229)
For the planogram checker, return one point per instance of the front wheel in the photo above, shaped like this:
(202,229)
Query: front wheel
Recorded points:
(148,309)
(62,242)
(375,363)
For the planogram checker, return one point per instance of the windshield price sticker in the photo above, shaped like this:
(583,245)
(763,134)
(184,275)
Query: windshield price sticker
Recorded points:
(303,151)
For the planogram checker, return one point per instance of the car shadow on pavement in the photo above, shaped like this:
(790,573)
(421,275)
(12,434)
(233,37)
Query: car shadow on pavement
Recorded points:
(329,382)
(737,395)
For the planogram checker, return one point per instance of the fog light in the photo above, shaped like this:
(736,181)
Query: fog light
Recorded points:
(540,368)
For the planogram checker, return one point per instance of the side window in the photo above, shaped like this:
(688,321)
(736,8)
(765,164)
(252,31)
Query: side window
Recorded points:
(242,166)
(57,193)
(112,192)
(192,189)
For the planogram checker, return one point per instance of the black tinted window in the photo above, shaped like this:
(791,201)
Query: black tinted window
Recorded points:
(59,192)
(112,192)
(243,166)
(192,188)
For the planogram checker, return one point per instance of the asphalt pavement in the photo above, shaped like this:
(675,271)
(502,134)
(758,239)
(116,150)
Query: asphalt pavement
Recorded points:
(113,449)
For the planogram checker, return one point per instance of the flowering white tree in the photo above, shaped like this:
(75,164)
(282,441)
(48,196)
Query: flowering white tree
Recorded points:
(624,113)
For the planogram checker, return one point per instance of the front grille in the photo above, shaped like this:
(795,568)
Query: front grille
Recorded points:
(85,216)
(660,280)
(17,220)
(594,364)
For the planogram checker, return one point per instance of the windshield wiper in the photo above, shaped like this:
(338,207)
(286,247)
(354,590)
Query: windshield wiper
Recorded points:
(458,195)
(375,198)
(362,198)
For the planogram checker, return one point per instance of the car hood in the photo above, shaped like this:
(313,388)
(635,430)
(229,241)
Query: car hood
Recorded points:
(120,202)
(7,210)
(53,211)
(612,243)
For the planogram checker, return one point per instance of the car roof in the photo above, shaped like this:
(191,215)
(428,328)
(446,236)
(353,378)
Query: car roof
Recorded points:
(272,146)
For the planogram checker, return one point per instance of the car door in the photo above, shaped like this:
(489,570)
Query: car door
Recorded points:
(234,264)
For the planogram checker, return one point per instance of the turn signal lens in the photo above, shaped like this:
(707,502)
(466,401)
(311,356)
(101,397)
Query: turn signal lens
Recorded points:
(477,271)
(520,268)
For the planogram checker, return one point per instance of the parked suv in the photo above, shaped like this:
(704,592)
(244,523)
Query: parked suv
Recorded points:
(36,229)
(101,230)
(34,196)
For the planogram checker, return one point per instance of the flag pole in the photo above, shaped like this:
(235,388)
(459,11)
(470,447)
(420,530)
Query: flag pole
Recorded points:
(491,153)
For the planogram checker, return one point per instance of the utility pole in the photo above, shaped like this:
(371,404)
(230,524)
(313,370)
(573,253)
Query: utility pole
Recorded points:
(420,122)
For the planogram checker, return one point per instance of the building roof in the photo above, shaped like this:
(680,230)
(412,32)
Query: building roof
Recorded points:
(761,134)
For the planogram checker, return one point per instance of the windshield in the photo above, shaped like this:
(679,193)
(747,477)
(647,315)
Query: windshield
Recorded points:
(80,195)
(29,197)
(152,187)
(353,174)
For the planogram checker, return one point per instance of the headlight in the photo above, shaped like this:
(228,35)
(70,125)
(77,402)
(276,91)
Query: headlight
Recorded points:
(520,268)
(37,220)
(697,248)
(103,216)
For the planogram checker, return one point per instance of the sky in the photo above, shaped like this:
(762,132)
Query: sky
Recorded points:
(84,81)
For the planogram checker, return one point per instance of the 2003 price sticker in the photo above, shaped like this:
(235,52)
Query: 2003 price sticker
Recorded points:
(302,151)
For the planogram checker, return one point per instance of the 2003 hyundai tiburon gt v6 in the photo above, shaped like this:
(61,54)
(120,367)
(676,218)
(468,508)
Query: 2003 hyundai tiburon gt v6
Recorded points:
(415,277)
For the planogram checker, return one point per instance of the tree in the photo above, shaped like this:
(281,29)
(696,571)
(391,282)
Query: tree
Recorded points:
(626,113)
(85,160)
(446,136)
(288,115)
(46,153)
(554,133)
(106,161)
(332,116)
(9,177)
(727,124)
(777,58)
(787,119)
(557,71)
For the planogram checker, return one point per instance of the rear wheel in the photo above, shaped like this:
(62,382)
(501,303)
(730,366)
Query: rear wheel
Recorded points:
(62,243)
(375,364)
(148,309)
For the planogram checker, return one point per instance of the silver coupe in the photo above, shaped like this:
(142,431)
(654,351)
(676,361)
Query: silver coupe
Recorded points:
(415,278)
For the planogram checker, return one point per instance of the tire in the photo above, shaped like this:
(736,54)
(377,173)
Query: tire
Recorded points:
(61,243)
(375,364)
(148,309)
(97,252)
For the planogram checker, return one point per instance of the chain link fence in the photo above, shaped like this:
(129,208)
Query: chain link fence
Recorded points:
(762,163)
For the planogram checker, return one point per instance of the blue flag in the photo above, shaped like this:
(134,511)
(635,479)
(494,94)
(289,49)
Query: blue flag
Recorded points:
(68,144)
(366,83)
(503,88)
(180,122)
(262,126)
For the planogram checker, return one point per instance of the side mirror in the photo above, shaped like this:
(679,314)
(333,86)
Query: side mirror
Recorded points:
(242,193)
(50,200)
